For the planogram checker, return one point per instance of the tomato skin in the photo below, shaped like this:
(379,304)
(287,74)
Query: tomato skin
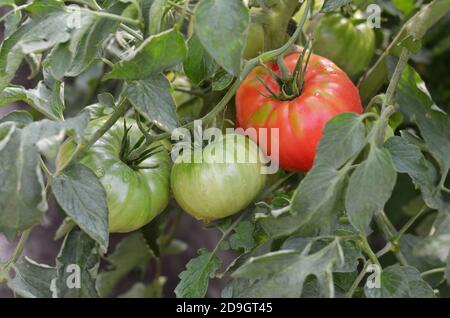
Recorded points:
(327,91)
(134,197)
(348,45)
(213,190)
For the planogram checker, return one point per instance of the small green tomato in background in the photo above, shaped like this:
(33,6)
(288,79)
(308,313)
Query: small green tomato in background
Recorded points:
(211,188)
(135,194)
(348,42)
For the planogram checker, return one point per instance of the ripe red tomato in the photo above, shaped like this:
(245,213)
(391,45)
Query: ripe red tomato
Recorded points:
(327,91)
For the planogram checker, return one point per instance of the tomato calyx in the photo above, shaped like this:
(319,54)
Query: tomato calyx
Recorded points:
(126,149)
(290,84)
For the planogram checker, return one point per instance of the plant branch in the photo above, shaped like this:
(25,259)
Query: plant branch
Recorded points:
(410,223)
(434,271)
(18,250)
(357,281)
(366,247)
(389,233)
(395,78)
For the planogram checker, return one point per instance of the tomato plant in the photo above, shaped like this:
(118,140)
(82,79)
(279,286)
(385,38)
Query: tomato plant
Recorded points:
(196,186)
(339,186)
(326,92)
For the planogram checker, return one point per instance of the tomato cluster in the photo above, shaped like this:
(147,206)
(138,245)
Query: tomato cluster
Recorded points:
(212,189)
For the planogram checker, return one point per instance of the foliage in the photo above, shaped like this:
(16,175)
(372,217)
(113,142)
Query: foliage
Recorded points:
(163,64)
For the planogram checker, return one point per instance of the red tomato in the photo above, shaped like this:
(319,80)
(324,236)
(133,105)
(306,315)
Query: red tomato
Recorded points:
(327,91)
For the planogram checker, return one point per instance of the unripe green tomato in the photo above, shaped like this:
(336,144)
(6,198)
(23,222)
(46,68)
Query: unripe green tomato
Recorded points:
(134,197)
(212,189)
(351,46)
(255,41)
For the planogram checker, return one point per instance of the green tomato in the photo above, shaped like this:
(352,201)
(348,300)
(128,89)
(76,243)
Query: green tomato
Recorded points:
(349,43)
(211,189)
(255,41)
(134,197)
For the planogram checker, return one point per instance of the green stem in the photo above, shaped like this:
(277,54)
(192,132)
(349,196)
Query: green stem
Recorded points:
(276,23)
(19,249)
(357,281)
(404,57)
(110,16)
(389,233)
(434,271)
(366,247)
(182,7)
(131,31)
(84,147)
(410,223)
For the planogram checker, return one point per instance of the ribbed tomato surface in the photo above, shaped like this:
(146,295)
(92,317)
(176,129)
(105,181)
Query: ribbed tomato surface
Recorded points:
(327,91)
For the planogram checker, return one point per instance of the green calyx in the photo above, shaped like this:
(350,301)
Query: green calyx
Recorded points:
(290,83)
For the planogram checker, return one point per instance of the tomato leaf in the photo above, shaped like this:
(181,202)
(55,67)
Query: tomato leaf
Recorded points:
(20,117)
(45,100)
(437,246)
(77,264)
(409,159)
(330,5)
(223,35)
(194,280)
(369,188)
(434,124)
(81,195)
(152,98)
(198,65)
(343,136)
(130,253)
(32,280)
(243,237)
(400,282)
(156,54)
(283,273)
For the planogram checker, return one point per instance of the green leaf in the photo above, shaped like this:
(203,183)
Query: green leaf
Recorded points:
(409,159)
(156,15)
(400,282)
(369,188)
(152,98)
(12,22)
(139,290)
(243,237)
(32,280)
(198,65)
(221,80)
(343,136)
(77,264)
(156,54)
(221,26)
(130,253)
(330,5)
(22,196)
(194,280)
(437,246)
(88,45)
(41,98)
(81,195)
(415,101)
(20,117)
(283,273)
(405,6)
(317,200)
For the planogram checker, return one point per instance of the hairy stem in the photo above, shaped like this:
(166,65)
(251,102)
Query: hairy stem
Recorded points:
(19,249)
